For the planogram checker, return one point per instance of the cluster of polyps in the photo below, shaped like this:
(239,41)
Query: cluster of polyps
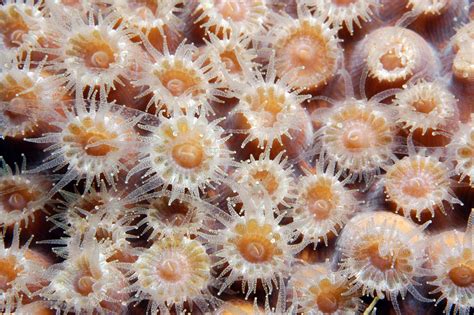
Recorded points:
(141,196)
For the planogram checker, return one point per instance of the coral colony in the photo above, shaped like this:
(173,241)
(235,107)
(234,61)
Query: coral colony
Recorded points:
(236,157)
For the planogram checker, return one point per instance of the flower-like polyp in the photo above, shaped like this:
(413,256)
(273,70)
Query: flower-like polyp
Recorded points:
(382,255)
(392,62)
(173,274)
(451,265)
(21,196)
(85,282)
(320,290)
(90,51)
(177,81)
(269,114)
(359,135)
(306,49)
(93,139)
(184,152)
(420,182)
(21,273)
(253,248)
(323,203)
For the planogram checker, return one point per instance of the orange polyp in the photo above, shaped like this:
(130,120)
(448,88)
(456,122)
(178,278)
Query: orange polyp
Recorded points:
(391,61)
(177,81)
(463,275)
(305,48)
(169,270)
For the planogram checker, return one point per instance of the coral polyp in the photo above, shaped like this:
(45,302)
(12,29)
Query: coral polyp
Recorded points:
(20,272)
(267,177)
(306,48)
(392,62)
(451,259)
(89,53)
(159,20)
(358,135)
(21,195)
(85,282)
(426,106)
(462,151)
(420,182)
(324,293)
(382,255)
(184,152)
(345,13)
(177,81)
(18,20)
(192,156)
(26,94)
(183,216)
(90,141)
(218,16)
(173,274)
(253,248)
(323,204)
(269,112)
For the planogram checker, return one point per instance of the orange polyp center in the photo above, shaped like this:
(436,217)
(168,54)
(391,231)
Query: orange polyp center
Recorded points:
(229,58)
(416,187)
(177,81)
(327,303)
(235,10)
(15,197)
(344,2)
(357,138)
(84,285)
(267,180)
(8,271)
(462,276)
(255,249)
(327,296)
(424,106)
(12,27)
(169,270)
(88,134)
(391,61)
(188,155)
(308,49)
(382,263)
(255,243)
(320,200)
(268,102)
(93,49)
